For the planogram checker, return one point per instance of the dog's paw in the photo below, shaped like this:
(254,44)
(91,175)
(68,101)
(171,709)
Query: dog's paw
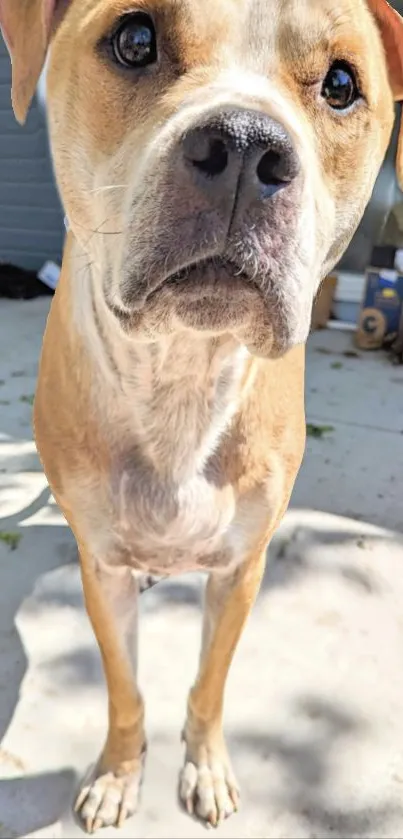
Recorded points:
(108,798)
(208,788)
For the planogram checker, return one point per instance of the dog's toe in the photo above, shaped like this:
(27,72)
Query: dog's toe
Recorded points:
(108,798)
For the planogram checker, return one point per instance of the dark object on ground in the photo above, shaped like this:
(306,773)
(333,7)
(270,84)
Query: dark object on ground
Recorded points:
(397,348)
(383,256)
(19,284)
(318,431)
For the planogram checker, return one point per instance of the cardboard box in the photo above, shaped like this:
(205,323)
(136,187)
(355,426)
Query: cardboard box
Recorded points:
(322,307)
(381,308)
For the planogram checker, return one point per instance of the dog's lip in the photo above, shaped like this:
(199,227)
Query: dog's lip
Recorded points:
(207,277)
(209,271)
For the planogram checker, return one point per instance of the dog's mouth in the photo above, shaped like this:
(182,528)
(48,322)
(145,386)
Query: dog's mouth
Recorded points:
(203,281)
(211,275)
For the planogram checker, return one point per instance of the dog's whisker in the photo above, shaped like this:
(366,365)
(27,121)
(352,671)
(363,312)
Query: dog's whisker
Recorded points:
(97,231)
(106,188)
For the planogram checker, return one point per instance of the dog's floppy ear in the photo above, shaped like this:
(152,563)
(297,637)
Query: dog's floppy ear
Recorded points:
(27,27)
(391,28)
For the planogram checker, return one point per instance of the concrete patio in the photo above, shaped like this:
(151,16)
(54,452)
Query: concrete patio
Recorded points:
(315,697)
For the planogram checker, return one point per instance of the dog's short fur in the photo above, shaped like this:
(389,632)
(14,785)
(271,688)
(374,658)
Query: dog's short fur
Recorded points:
(169,413)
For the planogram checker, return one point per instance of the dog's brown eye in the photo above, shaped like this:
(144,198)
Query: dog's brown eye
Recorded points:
(340,87)
(134,42)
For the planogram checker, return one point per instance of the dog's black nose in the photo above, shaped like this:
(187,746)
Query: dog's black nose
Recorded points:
(241,149)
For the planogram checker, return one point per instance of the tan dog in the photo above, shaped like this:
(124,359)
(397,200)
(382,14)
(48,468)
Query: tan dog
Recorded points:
(214,160)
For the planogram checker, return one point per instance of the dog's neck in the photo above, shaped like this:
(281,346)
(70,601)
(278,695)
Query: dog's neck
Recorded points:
(174,398)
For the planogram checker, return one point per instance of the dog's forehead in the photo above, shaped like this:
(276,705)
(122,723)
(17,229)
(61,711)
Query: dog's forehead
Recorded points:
(296,29)
(261,22)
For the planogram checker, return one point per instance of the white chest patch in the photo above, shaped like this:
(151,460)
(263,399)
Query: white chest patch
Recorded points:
(175,403)
(168,527)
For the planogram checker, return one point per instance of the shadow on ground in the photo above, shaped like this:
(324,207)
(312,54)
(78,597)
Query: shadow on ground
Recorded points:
(20,570)
(304,765)
(34,802)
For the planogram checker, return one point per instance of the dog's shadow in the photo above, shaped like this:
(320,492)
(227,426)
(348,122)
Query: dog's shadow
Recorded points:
(32,803)
(28,803)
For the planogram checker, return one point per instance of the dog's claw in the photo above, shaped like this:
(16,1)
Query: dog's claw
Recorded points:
(89,826)
(234,795)
(123,815)
(82,795)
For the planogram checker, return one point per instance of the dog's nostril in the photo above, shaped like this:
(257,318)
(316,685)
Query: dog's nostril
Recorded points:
(272,169)
(269,168)
(209,155)
(217,160)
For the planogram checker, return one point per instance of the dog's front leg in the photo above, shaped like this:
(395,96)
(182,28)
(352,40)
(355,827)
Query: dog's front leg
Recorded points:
(207,784)
(110,791)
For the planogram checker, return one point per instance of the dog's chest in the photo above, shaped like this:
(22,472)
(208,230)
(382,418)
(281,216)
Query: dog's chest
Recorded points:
(167,527)
(169,512)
